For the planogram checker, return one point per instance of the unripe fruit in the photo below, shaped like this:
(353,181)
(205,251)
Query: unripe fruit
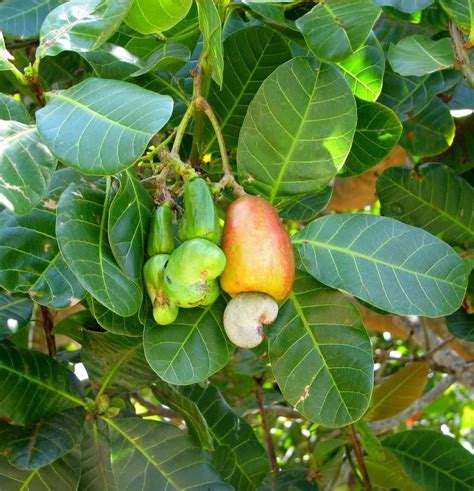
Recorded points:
(161,239)
(245,316)
(258,249)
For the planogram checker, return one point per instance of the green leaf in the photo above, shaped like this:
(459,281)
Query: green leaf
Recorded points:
(22,20)
(191,349)
(30,260)
(62,474)
(96,466)
(407,6)
(5,56)
(15,313)
(306,208)
(116,324)
(320,354)
(433,198)
(289,479)
(153,455)
(171,56)
(430,132)
(462,13)
(393,266)
(152,16)
(13,110)
(364,69)
(250,56)
(246,460)
(99,126)
(335,29)
(22,153)
(195,422)
(211,28)
(298,130)
(115,363)
(51,386)
(129,221)
(81,25)
(399,391)
(378,131)
(461,325)
(82,235)
(434,461)
(418,55)
(73,325)
(44,441)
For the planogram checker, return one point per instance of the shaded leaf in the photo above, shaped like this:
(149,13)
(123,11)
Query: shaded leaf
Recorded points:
(434,461)
(430,132)
(191,349)
(390,265)
(306,208)
(96,466)
(73,325)
(44,441)
(22,20)
(462,13)
(364,69)
(461,325)
(288,479)
(81,230)
(418,55)
(152,455)
(22,153)
(15,313)
(129,221)
(407,6)
(115,363)
(171,56)
(51,387)
(80,25)
(297,131)
(378,131)
(116,324)
(248,459)
(99,126)
(335,29)
(152,16)
(433,198)
(398,391)
(62,474)
(320,354)
(13,110)
(250,56)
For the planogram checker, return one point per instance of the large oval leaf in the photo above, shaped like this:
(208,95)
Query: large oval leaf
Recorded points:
(82,235)
(51,386)
(22,153)
(393,266)
(15,313)
(129,221)
(116,324)
(434,461)
(306,208)
(320,354)
(30,260)
(191,349)
(462,13)
(81,25)
(149,454)
(13,110)
(100,126)
(298,130)
(44,441)
(433,198)
(461,325)
(408,6)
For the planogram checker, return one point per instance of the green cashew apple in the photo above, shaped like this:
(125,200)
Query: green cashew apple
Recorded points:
(190,276)
(165,309)
(200,219)
(161,239)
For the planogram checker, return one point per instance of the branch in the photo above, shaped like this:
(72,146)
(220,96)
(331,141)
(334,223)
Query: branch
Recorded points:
(388,424)
(359,456)
(462,56)
(266,428)
(153,410)
(48,328)
(275,410)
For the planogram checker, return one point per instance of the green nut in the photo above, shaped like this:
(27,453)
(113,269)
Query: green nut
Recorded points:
(161,239)
(165,309)
(190,276)
(200,219)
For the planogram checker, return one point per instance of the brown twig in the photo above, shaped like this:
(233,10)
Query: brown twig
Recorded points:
(276,410)
(441,345)
(462,56)
(48,328)
(265,426)
(22,44)
(359,456)
(154,410)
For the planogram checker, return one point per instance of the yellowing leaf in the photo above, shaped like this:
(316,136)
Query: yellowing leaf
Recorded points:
(398,391)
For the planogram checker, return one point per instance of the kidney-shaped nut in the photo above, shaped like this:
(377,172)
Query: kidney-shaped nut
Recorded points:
(245,316)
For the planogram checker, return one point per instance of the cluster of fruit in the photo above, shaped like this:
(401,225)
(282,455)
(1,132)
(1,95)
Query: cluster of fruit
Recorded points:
(256,264)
